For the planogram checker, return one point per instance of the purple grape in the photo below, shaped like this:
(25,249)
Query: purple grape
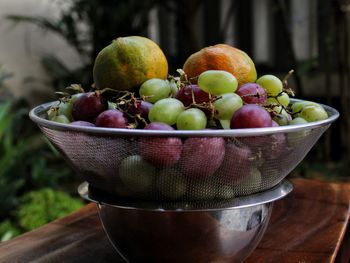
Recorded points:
(160,151)
(251,116)
(185,95)
(87,107)
(236,164)
(273,146)
(201,157)
(140,107)
(252,93)
(158,126)
(254,141)
(112,119)
(83,123)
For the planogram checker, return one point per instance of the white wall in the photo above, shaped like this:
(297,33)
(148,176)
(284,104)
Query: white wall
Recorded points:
(21,46)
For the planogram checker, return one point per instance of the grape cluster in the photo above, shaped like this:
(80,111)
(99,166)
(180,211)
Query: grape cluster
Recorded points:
(215,101)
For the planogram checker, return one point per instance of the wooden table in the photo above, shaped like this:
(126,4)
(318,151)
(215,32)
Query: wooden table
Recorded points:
(310,225)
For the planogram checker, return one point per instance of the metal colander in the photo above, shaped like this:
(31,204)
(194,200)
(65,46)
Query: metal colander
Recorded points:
(182,165)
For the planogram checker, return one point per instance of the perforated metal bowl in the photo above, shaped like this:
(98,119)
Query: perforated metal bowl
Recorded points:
(182,165)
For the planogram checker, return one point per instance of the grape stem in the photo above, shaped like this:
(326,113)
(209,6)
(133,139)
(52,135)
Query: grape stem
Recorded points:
(66,96)
(288,90)
(193,99)
(77,88)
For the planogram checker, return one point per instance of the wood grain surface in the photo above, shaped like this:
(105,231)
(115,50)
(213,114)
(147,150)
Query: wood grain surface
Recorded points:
(307,226)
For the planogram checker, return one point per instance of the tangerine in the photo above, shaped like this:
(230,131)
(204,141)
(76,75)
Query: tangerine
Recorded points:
(128,62)
(221,57)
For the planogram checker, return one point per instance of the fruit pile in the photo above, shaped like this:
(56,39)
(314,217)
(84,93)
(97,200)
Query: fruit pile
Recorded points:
(217,88)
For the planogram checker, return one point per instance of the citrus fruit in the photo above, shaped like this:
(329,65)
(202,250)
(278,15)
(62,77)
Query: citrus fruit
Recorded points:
(221,57)
(128,62)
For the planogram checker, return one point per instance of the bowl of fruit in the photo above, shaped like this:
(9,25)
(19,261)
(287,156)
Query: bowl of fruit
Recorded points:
(215,131)
(186,167)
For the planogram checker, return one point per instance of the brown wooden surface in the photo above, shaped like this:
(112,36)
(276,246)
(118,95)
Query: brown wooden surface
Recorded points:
(307,226)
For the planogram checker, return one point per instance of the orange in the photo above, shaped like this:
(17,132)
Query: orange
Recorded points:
(128,62)
(221,57)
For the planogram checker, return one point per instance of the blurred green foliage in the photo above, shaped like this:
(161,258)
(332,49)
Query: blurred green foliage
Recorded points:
(40,207)
(37,208)
(8,230)
(20,169)
(27,163)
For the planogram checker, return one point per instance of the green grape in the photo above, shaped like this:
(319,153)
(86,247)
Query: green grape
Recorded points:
(75,97)
(282,120)
(297,120)
(60,119)
(191,119)
(53,111)
(225,192)
(171,183)
(203,191)
(155,89)
(252,182)
(65,108)
(225,124)
(281,110)
(173,87)
(313,113)
(137,174)
(271,84)
(308,110)
(226,106)
(217,82)
(166,111)
(299,105)
(282,117)
(282,99)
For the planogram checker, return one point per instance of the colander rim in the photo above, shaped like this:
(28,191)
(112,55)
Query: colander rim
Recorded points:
(34,114)
(101,198)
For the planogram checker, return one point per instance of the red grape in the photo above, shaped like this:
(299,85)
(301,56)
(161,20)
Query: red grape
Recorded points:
(140,107)
(236,164)
(251,116)
(160,151)
(158,126)
(112,119)
(87,107)
(185,95)
(252,93)
(201,157)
